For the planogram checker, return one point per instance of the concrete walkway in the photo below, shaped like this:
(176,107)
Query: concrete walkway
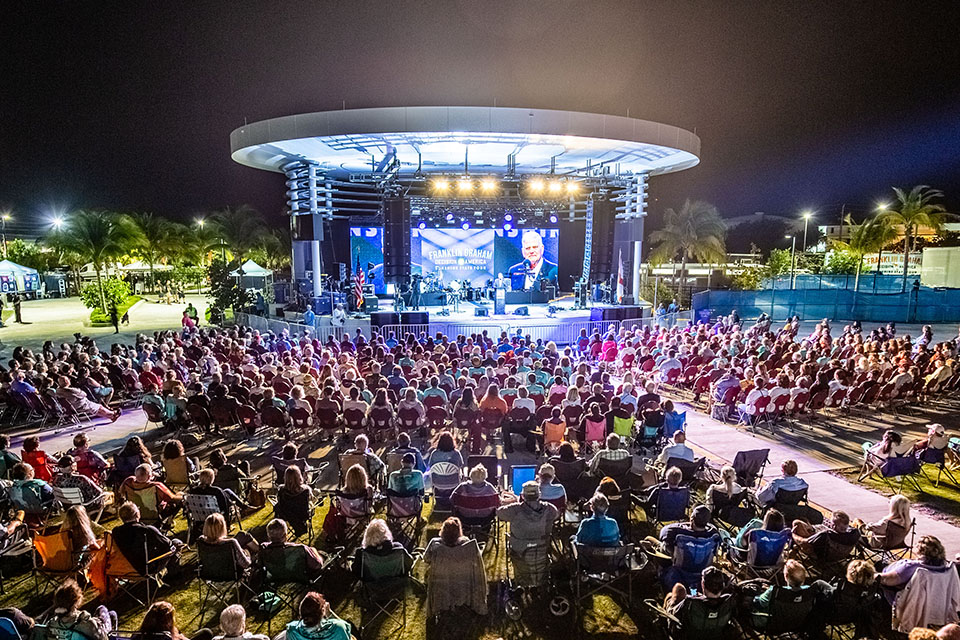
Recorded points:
(57,319)
(721,442)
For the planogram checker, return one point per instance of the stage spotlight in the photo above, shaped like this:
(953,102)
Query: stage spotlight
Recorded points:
(573,187)
(422,225)
(508,217)
(556,186)
(465,226)
(507,226)
(553,219)
(441,184)
(465,185)
(536,185)
(449,217)
(488,185)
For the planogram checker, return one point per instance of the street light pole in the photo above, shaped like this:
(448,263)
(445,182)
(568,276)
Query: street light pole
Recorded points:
(793,261)
(806,219)
(3,220)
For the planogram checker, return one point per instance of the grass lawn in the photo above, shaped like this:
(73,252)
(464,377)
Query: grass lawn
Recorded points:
(603,616)
(942,502)
(100,319)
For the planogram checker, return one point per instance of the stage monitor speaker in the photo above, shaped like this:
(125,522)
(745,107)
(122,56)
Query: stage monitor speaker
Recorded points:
(415,317)
(603,212)
(370,303)
(303,228)
(521,311)
(632,312)
(383,318)
(396,240)
(481,312)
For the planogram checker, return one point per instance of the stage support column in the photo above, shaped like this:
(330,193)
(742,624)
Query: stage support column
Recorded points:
(315,262)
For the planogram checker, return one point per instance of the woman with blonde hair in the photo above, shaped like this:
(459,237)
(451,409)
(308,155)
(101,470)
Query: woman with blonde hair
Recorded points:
(721,498)
(215,533)
(891,530)
(379,554)
(356,482)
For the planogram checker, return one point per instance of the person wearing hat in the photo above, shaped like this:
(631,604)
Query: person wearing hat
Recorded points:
(531,520)
(67,478)
(698,527)
(936,438)
(599,530)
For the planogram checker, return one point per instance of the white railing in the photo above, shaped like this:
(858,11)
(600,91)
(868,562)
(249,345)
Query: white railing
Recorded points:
(292,328)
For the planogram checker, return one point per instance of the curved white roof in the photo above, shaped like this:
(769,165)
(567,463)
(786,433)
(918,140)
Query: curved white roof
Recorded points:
(438,139)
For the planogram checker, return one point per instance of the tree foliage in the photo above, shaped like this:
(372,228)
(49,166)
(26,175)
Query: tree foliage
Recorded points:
(97,237)
(695,232)
(224,288)
(841,262)
(778,263)
(914,209)
(115,292)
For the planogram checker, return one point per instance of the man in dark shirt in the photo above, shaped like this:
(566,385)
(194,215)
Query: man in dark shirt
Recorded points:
(223,496)
(698,527)
(139,542)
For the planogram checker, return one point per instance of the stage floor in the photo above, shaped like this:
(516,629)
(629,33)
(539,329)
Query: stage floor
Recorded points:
(539,313)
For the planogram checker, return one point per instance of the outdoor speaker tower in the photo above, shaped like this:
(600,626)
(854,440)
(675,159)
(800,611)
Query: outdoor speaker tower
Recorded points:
(603,212)
(396,240)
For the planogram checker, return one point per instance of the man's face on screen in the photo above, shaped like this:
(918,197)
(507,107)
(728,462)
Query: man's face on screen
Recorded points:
(532,248)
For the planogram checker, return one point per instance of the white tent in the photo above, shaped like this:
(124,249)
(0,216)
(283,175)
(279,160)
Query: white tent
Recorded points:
(24,278)
(252,269)
(141,267)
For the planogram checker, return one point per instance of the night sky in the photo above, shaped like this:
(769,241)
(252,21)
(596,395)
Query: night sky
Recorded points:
(129,105)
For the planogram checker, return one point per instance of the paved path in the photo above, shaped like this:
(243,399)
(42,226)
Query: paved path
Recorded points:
(58,319)
(721,442)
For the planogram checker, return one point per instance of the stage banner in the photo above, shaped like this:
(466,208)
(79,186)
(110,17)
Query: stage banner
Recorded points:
(527,251)
(456,254)
(369,242)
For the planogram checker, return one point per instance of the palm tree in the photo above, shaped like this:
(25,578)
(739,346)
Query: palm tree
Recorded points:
(869,237)
(96,237)
(157,240)
(694,232)
(242,230)
(914,210)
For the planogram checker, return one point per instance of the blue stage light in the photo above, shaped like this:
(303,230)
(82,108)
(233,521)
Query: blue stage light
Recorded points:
(508,217)
(553,219)
(422,225)
(449,217)
(507,226)
(465,225)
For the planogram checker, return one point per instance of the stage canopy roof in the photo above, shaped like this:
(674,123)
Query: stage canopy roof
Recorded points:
(483,140)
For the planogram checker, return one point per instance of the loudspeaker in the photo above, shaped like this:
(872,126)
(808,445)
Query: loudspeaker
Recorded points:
(415,317)
(481,312)
(370,303)
(382,318)
(396,240)
(603,212)
(521,311)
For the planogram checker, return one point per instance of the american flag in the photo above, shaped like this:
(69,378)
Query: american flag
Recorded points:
(358,282)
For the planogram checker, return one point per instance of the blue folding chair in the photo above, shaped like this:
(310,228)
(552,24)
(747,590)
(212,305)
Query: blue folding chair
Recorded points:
(671,504)
(8,630)
(762,558)
(690,557)
(938,457)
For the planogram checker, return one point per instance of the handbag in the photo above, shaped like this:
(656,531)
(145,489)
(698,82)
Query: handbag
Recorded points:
(256,497)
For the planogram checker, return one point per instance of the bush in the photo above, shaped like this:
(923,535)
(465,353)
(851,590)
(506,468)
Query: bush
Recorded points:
(749,278)
(840,262)
(115,292)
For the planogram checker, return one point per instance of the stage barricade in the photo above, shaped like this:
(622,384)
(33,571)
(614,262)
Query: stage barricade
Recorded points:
(292,328)
(565,332)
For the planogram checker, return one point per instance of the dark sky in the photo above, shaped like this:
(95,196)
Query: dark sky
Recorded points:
(129,105)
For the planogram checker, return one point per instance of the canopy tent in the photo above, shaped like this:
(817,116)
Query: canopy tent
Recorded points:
(141,267)
(253,270)
(15,277)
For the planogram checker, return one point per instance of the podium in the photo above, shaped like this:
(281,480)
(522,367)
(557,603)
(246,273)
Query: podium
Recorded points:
(499,301)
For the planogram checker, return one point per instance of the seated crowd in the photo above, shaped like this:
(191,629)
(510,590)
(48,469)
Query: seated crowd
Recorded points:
(612,446)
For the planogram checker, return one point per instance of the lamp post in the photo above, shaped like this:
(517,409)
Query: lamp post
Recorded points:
(806,219)
(793,261)
(3,222)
